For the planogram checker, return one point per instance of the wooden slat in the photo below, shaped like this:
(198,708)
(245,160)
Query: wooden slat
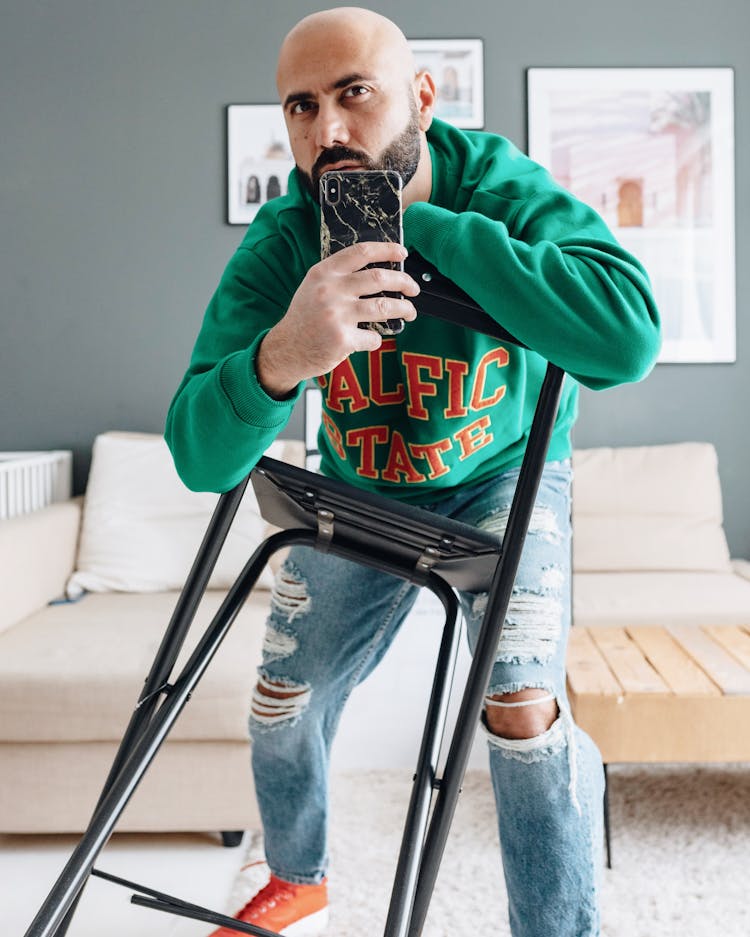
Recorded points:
(627,662)
(678,670)
(733,639)
(587,670)
(726,672)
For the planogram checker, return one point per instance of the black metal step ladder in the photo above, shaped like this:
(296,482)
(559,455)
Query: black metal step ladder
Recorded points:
(432,551)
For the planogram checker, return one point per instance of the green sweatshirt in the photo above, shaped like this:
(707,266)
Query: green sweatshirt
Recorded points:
(439,405)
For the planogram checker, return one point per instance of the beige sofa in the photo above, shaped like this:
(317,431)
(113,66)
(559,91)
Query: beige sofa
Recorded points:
(71,671)
(648,543)
(649,547)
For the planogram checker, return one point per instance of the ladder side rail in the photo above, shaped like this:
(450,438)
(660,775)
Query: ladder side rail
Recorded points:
(425,778)
(100,828)
(489,635)
(171,643)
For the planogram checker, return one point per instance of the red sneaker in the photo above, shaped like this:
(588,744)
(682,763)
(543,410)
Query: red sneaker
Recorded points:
(285,908)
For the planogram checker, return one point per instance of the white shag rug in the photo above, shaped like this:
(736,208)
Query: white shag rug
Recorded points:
(680,852)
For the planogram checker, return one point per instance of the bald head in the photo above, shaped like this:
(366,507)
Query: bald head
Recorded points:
(352,98)
(346,30)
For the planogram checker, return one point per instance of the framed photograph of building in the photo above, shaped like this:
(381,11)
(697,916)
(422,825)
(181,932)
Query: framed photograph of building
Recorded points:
(259,159)
(652,150)
(457,65)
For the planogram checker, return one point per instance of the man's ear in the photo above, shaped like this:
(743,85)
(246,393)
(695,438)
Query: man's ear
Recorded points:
(426,93)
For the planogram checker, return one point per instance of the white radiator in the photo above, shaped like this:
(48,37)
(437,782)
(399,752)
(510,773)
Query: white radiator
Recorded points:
(32,480)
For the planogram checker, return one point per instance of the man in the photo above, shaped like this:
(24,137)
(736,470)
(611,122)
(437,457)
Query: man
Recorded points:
(438,416)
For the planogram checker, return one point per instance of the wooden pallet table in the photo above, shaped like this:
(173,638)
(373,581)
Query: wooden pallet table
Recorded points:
(662,694)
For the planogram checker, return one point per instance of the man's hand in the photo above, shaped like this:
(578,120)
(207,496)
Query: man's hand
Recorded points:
(320,328)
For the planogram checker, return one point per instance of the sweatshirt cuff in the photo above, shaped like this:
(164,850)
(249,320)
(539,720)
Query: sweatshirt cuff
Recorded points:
(239,381)
(427,228)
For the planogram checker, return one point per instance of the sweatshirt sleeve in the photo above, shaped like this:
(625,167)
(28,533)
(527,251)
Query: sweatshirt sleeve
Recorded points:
(554,277)
(221,420)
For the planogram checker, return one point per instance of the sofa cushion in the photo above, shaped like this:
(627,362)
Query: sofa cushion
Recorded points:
(648,508)
(73,672)
(142,527)
(664,598)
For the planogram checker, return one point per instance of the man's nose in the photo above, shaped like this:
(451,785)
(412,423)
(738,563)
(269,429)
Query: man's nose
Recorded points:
(330,127)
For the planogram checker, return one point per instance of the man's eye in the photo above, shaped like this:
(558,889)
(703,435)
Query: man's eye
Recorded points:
(301,107)
(355,91)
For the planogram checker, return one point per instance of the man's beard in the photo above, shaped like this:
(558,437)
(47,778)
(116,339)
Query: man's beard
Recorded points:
(401,154)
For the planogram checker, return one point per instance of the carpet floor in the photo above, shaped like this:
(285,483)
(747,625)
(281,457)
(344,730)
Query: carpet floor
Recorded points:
(680,851)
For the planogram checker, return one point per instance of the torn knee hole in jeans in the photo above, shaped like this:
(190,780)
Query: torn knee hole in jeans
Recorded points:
(520,715)
(559,737)
(290,596)
(534,749)
(519,704)
(276,701)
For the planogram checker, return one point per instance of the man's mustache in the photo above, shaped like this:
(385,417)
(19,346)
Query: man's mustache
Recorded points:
(338,154)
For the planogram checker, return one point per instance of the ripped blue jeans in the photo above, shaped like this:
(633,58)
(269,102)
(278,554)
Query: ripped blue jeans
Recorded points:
(332,621)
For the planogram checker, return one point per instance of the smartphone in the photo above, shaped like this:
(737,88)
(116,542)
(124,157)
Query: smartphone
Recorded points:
(362,205)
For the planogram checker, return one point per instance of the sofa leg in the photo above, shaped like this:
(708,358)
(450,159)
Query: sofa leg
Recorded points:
(231,838)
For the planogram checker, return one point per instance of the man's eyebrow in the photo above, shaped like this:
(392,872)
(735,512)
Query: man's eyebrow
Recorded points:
(296,96)
(348,79)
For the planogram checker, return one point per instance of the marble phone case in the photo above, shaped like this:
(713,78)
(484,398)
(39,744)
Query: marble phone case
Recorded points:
(362,205)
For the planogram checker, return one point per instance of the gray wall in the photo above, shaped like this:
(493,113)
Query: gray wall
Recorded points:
(112,197)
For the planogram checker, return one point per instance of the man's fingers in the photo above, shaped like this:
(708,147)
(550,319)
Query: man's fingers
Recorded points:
(380,308)
(367,340)
(382,280)
(363,253)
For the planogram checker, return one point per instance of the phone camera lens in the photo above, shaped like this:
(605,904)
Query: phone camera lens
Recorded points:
(332,191)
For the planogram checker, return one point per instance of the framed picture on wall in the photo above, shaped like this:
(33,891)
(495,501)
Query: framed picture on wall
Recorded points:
(457,65)
(259,159)
(652,150)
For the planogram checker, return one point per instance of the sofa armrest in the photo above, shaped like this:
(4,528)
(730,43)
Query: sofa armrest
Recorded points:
(37,555)
(741,568)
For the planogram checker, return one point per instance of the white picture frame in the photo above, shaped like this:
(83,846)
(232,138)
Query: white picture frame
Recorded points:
(259,158)
(457,65)
(652,150)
